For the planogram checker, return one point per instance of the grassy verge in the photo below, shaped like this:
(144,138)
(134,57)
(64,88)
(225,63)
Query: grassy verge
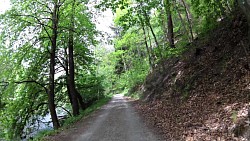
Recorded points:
(70,121)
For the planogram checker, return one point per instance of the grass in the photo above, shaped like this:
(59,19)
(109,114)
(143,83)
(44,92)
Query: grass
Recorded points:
(70,121)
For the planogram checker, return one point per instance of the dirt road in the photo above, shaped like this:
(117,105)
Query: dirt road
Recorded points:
(117,121)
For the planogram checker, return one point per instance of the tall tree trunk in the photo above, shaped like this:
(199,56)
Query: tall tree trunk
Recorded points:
(147,47)
(164,28)
(77,94)
(153,33)
(80,100)
(67,76)
(51,96)
(75,105)
(151,49)
(188,19)
(170,30)
(170,23)
(183,23)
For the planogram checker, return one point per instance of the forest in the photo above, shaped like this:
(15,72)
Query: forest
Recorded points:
(56,65)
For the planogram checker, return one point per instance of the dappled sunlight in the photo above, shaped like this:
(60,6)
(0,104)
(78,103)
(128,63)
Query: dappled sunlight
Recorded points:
(216,126)
(182,64)
(178,76)
(240,112)
(118,102)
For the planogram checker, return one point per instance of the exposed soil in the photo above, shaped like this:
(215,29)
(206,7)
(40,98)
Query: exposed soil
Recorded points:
(116,121)
(203,95)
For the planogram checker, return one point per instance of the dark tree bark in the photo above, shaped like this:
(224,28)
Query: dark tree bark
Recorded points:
(151,28)
(71,84)
(183,23)
(71,81)
(153,56)
(51,95)
(146,43)
(66,63)
(188,19)
(170,30)
(77,94)
(80,100)
(170,23)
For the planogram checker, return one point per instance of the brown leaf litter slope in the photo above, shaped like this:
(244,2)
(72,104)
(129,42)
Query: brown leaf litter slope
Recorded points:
(203,95)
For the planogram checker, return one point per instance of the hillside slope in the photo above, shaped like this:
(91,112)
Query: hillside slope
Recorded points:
(204,94)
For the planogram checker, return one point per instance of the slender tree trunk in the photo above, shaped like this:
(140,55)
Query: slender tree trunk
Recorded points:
(188,19)
(183,24)
(153,33)
(170,24)
(164,28)
(151,49)
(67,76)
(170,30)
(51,96)
(78,96)
(146,43)
(75,105)
(80,100)
(124,62)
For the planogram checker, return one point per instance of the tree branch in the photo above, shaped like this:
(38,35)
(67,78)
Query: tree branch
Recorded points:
(40,23)
(65,110)
(32,81)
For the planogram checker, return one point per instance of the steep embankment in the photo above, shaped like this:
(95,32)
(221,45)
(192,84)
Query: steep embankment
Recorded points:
(204,94)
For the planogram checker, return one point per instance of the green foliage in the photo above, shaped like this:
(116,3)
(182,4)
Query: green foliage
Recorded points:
(95,106)
(140,45)
(43,134)
(70,121)
(131,57)
(134,76)
(90,85)
(25,41)
(209,11)
(134,95)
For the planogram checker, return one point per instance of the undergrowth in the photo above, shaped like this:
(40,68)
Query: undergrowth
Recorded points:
(70,121)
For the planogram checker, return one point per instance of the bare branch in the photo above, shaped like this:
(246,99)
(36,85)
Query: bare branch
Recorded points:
(65,110)
(62,65)
(46,5)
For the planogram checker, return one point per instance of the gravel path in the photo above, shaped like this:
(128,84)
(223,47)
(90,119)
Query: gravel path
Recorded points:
(117,121)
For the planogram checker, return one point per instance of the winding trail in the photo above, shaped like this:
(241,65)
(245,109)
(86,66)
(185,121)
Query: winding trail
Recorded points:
(116,121)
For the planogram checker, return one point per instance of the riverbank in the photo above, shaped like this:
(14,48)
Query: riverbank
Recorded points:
(70,122)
